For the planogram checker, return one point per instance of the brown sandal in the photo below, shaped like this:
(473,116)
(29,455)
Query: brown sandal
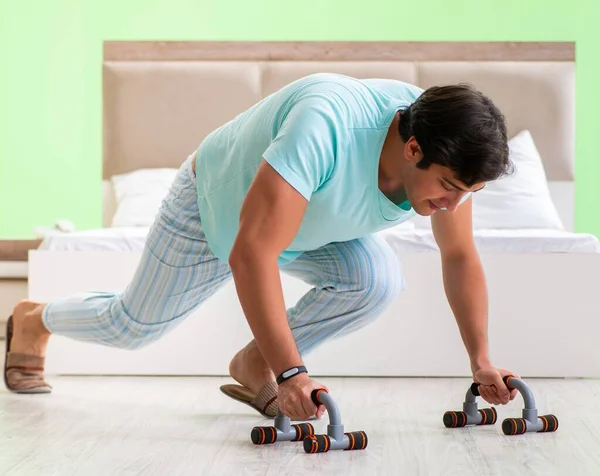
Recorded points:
(264,402)
(23,373)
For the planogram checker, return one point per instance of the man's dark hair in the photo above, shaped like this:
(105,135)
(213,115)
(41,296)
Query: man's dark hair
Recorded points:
(458,127)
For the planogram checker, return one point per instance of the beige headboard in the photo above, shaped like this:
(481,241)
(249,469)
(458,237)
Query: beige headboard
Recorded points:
(161,99)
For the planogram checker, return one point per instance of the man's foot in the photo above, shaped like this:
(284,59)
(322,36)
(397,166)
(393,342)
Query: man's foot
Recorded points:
(250,369)
(26,341)
(29,335)
(258,388)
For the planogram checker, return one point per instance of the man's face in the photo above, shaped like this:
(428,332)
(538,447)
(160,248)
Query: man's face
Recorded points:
(434,189)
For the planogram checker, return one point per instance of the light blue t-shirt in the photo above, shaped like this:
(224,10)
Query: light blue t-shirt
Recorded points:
(323,134)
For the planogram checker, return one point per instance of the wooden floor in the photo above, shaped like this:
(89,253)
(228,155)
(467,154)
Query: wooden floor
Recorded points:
(180,426)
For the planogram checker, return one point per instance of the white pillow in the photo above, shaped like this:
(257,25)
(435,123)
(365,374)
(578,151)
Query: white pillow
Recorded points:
(519,200)
(139,194)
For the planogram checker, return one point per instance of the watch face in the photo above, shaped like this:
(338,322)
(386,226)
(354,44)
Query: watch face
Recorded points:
(287,373)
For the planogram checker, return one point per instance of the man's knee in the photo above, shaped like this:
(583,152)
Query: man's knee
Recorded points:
(381,282)
(383,286)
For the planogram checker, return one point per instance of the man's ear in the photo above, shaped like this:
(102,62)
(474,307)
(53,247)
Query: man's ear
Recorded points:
(412,151)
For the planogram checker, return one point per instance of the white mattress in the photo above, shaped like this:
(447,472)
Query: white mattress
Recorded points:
(402,241)
(499,241)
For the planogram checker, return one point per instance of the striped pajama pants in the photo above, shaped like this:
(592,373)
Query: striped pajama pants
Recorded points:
(353,283)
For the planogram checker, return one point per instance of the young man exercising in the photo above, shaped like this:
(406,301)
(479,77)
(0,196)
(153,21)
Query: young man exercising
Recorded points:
(300,182)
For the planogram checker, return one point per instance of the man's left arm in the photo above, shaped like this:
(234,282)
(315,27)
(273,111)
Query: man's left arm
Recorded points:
(466,290)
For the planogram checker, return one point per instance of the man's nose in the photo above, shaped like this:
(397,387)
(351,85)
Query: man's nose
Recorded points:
(451,204)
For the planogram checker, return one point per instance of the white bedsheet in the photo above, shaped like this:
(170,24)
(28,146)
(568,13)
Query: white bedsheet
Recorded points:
(402,241)
(102,239)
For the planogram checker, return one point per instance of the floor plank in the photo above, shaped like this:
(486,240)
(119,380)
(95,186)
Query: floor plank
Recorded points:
(181,426)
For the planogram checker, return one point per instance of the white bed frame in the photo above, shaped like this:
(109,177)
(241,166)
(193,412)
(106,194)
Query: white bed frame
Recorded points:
(543,314)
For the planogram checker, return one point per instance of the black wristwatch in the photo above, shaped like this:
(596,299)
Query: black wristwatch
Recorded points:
(289,373)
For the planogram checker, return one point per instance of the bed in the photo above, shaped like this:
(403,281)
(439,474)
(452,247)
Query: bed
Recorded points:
(161,98)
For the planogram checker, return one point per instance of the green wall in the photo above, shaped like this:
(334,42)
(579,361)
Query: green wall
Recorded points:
(50,76)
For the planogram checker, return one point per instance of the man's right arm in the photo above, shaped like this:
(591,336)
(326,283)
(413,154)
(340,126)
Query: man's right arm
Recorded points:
(269,220)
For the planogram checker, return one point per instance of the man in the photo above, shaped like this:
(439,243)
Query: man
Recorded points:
(300,182)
